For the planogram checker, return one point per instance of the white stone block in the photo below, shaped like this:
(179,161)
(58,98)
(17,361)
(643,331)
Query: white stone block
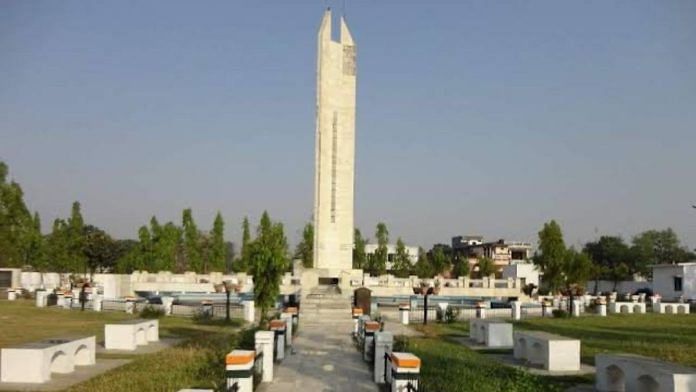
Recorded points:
(239,364)
(34,362)
(406,366)
(249,311)
(577,307)
(404,314)
(41,298)
(11,295)
(626,307)
(551,352)
(167,303)
(491,333)
(263,341)
(516,310)
(602,310)
(671,308)
(97,302)
(625,372)
(287,317)
(384,341)
(130,334)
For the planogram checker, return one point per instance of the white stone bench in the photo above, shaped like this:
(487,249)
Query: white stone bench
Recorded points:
(130,334)
(626,372)
(671,308)
(551,352)
(491,333)
(627,307)
(34,362)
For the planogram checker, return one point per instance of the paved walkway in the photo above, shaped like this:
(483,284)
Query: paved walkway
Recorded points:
(325,360)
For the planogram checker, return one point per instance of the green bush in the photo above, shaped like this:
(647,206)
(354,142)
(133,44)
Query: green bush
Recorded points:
(560,313)
(448,316)
(151,312)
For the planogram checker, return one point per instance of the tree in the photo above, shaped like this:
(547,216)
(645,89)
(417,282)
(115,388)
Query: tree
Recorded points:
(461,268)
(267,262)
(101,251)
(551,260)
(76,240)
(612,256)
(377,264)
(217,246)
(34,253)
(578,270)
(243,262)
(192,247)
(423,268)
(486,267)
(57,247)
(359,255)
(305,249)
(16,223)
(657,247)
(439,257)
(402,262)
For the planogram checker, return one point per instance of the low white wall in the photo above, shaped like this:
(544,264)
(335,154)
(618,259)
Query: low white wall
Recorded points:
(622,287)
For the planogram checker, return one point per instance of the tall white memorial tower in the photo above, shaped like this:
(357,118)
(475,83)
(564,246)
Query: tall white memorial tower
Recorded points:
(335,150)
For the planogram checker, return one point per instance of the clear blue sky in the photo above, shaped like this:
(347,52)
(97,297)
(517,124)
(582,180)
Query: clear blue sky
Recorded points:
(485,117)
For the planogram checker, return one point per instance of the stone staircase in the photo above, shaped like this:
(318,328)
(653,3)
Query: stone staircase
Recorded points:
(325,305)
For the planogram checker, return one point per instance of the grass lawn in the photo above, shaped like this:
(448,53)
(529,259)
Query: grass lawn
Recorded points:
(668,337)
(447,365)
(196,362)
(450,366)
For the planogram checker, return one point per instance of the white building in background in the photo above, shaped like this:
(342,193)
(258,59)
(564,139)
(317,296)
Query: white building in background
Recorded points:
(675,281)
(526,272)
(412,252)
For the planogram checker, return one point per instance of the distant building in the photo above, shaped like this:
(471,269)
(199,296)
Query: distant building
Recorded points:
(675,281)
(527,273)
(473,248)
(412,252)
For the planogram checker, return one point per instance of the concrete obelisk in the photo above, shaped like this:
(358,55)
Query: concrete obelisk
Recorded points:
(335,150)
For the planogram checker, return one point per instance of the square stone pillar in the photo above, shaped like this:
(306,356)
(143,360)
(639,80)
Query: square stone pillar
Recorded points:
(404,369)
(278,328)
(249,311)
(67,301)
(404,313)
(545,312)
(384,341)
(239,366)
(11,294)
(41,298)
(263,341)
(356,313)
(295,312)
(602,307)
(368,343)
(576,305)
(60,299)
(361,328)
(207,309)
(287,317)
(130,305)
(481,310)
(516,310)
(97,301)
(167,303)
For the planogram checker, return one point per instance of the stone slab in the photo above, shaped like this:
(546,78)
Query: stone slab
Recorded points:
(509,360)
(60,382)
